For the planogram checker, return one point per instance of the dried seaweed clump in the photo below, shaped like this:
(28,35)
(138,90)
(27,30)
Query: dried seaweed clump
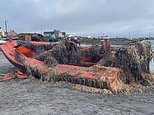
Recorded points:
(108,60)
(65,52)
(134,60)
(95,53)
(144,49)
(47,58)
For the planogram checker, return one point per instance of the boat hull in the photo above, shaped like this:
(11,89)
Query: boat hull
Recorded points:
(95,76)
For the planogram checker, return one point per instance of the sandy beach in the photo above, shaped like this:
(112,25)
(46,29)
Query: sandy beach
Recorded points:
(30,97)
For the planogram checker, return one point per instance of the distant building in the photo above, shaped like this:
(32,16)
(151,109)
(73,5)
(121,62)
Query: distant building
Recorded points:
(89,37)
(55,33)
(69,35)
(12,34)
(106,37)
(1,32)
(30,36)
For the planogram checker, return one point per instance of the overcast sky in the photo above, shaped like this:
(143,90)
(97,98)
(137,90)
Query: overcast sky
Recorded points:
(85,17)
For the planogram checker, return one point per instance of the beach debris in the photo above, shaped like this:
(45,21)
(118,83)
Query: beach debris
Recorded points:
(133,60)
(114,70)
(64,53)
(67,52)
(91,89)
(13,75)
(95,76)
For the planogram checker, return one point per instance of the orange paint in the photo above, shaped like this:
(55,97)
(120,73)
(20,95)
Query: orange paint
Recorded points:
(26,57)
(26,51)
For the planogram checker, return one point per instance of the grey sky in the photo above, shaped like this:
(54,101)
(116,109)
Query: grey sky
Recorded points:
(112,17)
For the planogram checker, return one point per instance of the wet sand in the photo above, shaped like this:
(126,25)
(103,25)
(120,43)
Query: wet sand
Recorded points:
(35,97)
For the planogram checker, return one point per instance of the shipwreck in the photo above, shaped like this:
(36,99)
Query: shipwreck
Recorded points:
(103,67)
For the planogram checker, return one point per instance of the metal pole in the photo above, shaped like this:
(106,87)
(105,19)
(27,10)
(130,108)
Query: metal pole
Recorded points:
(129,34)
(41,30)
(149,34)
(6,26)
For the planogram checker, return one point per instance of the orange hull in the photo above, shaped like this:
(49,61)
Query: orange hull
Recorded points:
(8,50)
(23,57)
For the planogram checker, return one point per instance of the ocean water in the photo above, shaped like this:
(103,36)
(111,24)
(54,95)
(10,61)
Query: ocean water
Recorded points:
(152,44)
(152,61)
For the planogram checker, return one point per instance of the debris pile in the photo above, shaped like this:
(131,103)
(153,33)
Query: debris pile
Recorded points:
(95,76)
(144,49)
(65,52)
(108,69)
(93,54)
(134,61)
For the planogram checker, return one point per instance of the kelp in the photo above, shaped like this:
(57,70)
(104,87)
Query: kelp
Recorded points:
(65,52)
(133,60)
